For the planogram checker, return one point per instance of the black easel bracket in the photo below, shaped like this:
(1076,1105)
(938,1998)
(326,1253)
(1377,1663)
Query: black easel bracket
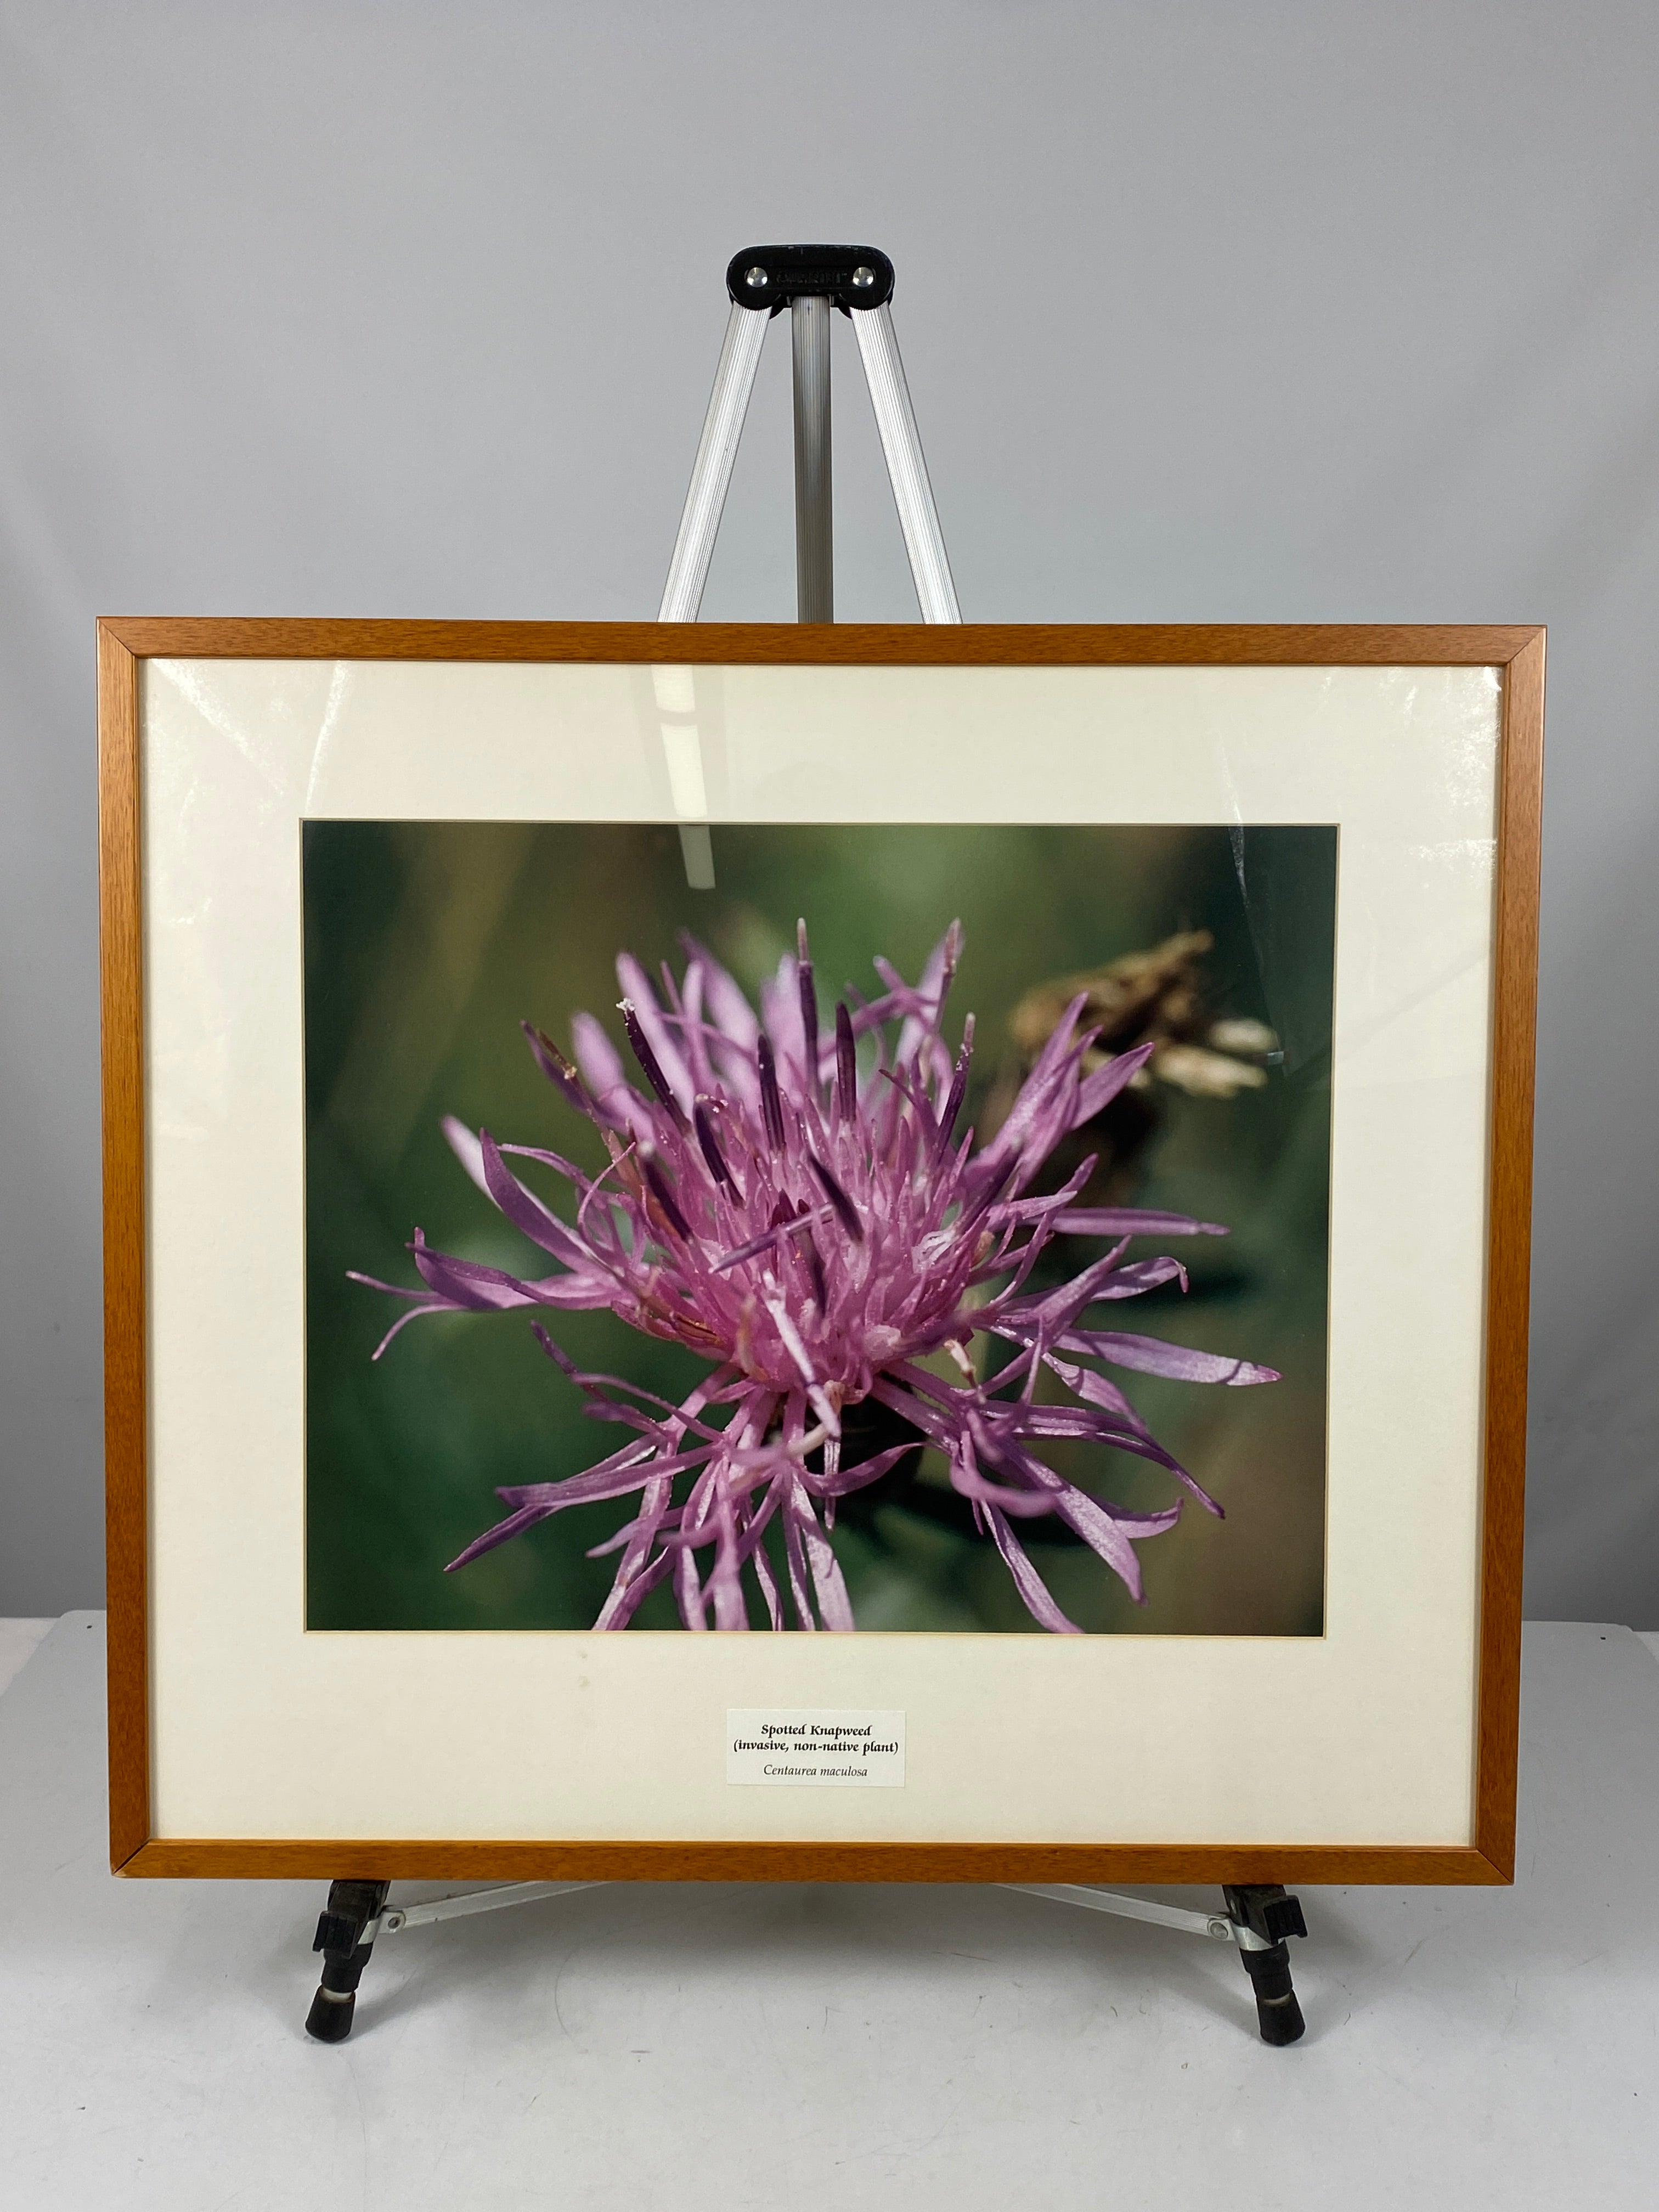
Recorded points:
(1268,1913)
(774,276)
(345,1937)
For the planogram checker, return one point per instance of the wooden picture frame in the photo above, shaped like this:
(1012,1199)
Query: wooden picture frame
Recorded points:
(1516,653)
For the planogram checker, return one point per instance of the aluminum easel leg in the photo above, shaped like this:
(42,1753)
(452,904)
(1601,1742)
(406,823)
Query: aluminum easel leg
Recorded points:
(357,1916)
(711,472)
(815,542)
(1259,1919)
(913,494)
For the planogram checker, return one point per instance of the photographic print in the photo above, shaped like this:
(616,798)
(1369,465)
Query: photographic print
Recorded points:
(919,1228)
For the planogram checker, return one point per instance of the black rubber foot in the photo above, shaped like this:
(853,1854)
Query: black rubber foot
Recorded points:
(1276,2007)
(1280,2017)
(330,2017)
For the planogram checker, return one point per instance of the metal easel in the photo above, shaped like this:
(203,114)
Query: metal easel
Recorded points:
(762,281)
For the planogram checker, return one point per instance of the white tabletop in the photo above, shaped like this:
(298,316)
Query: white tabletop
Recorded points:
(678,2046)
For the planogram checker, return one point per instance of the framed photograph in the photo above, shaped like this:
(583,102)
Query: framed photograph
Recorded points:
(816,1253)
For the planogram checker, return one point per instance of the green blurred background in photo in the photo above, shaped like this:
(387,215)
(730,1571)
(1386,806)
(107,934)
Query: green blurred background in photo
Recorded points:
(426,945)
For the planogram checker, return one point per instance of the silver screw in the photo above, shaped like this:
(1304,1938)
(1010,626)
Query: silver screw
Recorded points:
(755,279)
(863,278)
(391,1923)
(1221,1929)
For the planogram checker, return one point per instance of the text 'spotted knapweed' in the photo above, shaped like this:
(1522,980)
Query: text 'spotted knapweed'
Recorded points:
(822,1234)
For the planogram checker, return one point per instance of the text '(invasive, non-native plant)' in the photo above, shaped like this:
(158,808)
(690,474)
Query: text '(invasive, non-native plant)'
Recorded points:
(855,1749)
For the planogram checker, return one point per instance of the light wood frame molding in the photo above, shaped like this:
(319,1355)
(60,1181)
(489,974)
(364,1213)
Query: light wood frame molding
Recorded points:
(1517,651)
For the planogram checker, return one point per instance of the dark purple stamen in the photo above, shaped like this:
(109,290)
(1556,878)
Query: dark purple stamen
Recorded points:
(847,1064)
(957,1091)
(748,1251)
(787,1220)
(649,1061)
(711,1151)
(809,1005)
(987,1198)
(665,1198)
(845,1212)
(771,1102)
(815,1269)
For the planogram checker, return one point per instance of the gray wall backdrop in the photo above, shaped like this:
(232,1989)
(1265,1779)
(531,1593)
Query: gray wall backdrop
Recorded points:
(1222,311)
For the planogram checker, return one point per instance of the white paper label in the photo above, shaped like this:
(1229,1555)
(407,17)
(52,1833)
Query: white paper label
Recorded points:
(828,1749)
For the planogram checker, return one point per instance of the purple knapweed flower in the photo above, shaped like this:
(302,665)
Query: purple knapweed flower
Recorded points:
(820,1233)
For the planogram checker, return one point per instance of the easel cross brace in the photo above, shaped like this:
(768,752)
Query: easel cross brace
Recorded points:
(810,280)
